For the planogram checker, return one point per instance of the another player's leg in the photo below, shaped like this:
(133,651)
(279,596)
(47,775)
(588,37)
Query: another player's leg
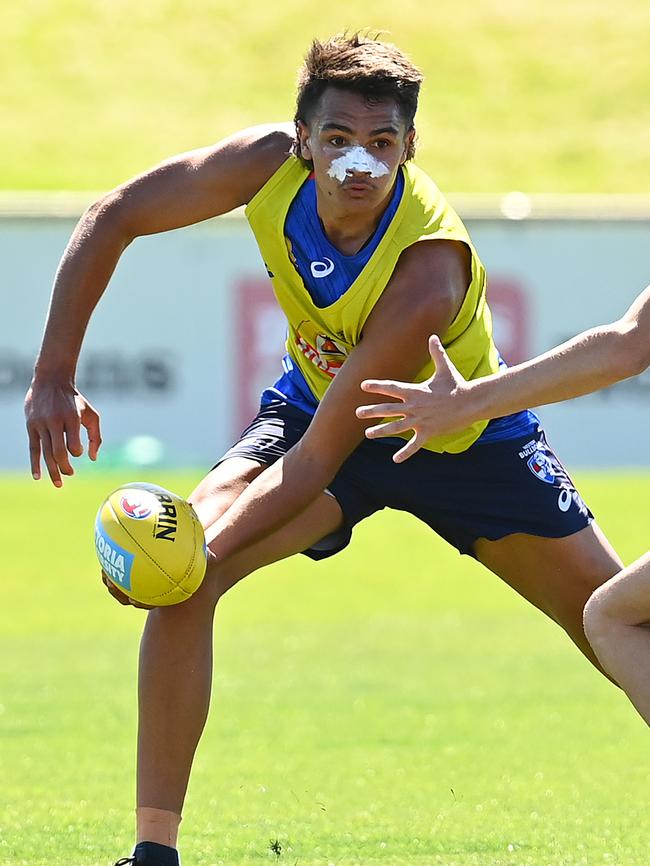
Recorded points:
(558,575)
(512,505)
(543,540)
(176,651)
(617,623)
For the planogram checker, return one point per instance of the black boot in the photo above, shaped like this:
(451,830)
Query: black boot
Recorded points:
(151,854)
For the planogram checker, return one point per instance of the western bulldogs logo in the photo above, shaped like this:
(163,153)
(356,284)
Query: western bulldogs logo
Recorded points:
(327,346)
(542,467)
(328,355)
(135,507)
(547,468)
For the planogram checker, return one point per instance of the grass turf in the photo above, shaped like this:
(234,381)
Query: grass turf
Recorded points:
(393,705)
(544,97)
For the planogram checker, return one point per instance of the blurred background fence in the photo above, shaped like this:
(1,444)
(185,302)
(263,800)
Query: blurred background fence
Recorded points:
(545,97)
(189,333)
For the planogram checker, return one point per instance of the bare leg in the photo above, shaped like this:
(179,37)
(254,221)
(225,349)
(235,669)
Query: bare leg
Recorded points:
(176,652)
(556,574)
(617,623)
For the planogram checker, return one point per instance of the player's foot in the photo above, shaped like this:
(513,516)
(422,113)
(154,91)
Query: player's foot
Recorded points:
(151,854)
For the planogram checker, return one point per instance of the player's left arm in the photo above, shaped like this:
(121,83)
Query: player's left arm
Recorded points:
(423,296)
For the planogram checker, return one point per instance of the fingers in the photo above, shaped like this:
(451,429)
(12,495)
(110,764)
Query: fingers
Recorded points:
(49,457)
(390,428)
(120,596)
(40,445)
(408,450)
(387,386)
(54,416)
(60,448)
(72,436)
(34,453)
(379,410)
(446,372)
(90,419)
(54,442)
(114,591)
(435,348)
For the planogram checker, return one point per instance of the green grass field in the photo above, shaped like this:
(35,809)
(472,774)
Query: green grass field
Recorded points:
(394,705)
(520,94)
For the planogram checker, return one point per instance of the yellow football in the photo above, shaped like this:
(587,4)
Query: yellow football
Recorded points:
(150,544)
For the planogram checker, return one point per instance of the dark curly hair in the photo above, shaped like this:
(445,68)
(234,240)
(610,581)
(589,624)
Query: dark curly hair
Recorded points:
(376,70)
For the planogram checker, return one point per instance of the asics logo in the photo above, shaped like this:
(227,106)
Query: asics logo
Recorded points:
(321,269)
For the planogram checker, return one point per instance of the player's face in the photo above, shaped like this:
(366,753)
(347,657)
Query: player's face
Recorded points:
(356,148)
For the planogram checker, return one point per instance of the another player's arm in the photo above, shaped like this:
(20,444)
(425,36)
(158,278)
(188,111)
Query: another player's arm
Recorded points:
(424,295)
(592,360)
(183,190)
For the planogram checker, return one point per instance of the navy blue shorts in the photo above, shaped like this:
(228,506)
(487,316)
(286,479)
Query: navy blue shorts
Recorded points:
(491,490)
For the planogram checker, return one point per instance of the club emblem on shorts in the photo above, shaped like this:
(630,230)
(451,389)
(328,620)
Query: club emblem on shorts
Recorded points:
(135,507)
(542,466)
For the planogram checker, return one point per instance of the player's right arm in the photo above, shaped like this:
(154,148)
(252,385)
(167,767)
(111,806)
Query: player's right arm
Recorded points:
(447,402)
(180,191)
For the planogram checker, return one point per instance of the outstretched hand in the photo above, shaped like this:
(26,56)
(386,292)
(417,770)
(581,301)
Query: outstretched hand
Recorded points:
(430,408)
(55,413)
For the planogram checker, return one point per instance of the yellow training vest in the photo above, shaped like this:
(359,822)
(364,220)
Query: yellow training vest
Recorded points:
(320,338)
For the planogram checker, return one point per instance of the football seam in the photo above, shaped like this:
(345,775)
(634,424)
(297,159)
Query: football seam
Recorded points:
(190,566)
(199,536)
(175,585)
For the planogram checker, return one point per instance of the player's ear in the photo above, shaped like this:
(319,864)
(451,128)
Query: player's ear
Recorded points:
(304,147)
(409,141)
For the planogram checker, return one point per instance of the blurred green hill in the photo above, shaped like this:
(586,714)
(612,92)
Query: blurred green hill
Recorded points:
(539,96)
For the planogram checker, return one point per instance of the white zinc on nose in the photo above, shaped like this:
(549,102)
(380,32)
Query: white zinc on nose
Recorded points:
(356,158)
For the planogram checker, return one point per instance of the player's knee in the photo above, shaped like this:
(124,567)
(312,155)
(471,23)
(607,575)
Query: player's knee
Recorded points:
(210,502)
(599,618)
(223,485)
(196,612)
(221,575)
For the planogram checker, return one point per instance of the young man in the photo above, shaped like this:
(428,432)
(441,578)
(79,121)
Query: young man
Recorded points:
(367,259)
(617,614)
